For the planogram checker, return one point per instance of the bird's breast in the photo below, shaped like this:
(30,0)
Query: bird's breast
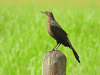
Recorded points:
(49,30)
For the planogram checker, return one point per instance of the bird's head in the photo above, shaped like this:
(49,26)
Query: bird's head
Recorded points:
(48,13)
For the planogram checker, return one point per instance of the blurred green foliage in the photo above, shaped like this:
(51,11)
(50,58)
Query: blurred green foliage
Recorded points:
(24,39)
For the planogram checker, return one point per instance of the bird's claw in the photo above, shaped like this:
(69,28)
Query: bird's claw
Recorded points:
(53,49)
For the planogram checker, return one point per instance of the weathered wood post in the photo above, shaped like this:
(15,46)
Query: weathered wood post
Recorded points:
(54,63)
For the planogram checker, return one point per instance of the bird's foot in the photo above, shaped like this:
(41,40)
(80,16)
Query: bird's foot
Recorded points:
(56,50)
(52,50)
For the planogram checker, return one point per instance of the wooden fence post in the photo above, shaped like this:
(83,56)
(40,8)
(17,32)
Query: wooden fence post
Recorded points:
(54,63)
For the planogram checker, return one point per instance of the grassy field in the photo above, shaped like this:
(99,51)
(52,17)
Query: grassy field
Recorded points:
(24,39)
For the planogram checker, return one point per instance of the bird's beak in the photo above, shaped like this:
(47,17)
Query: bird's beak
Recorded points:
(42,12)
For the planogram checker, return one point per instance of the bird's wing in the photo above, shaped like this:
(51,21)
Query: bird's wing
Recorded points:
(55,25)
(61,36)
(59,33)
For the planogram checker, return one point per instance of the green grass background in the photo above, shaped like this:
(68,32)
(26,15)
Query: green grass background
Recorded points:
(24,39)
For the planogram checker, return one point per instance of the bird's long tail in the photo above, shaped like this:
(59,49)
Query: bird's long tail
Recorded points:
(76,55)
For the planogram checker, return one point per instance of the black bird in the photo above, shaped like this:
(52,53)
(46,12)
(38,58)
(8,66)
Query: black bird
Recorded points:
(56,32)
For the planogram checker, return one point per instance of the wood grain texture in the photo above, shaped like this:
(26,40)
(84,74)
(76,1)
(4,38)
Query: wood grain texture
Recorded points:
(54,63)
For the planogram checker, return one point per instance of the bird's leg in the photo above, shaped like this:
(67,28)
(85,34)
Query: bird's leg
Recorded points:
(58,45)
(54,47)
